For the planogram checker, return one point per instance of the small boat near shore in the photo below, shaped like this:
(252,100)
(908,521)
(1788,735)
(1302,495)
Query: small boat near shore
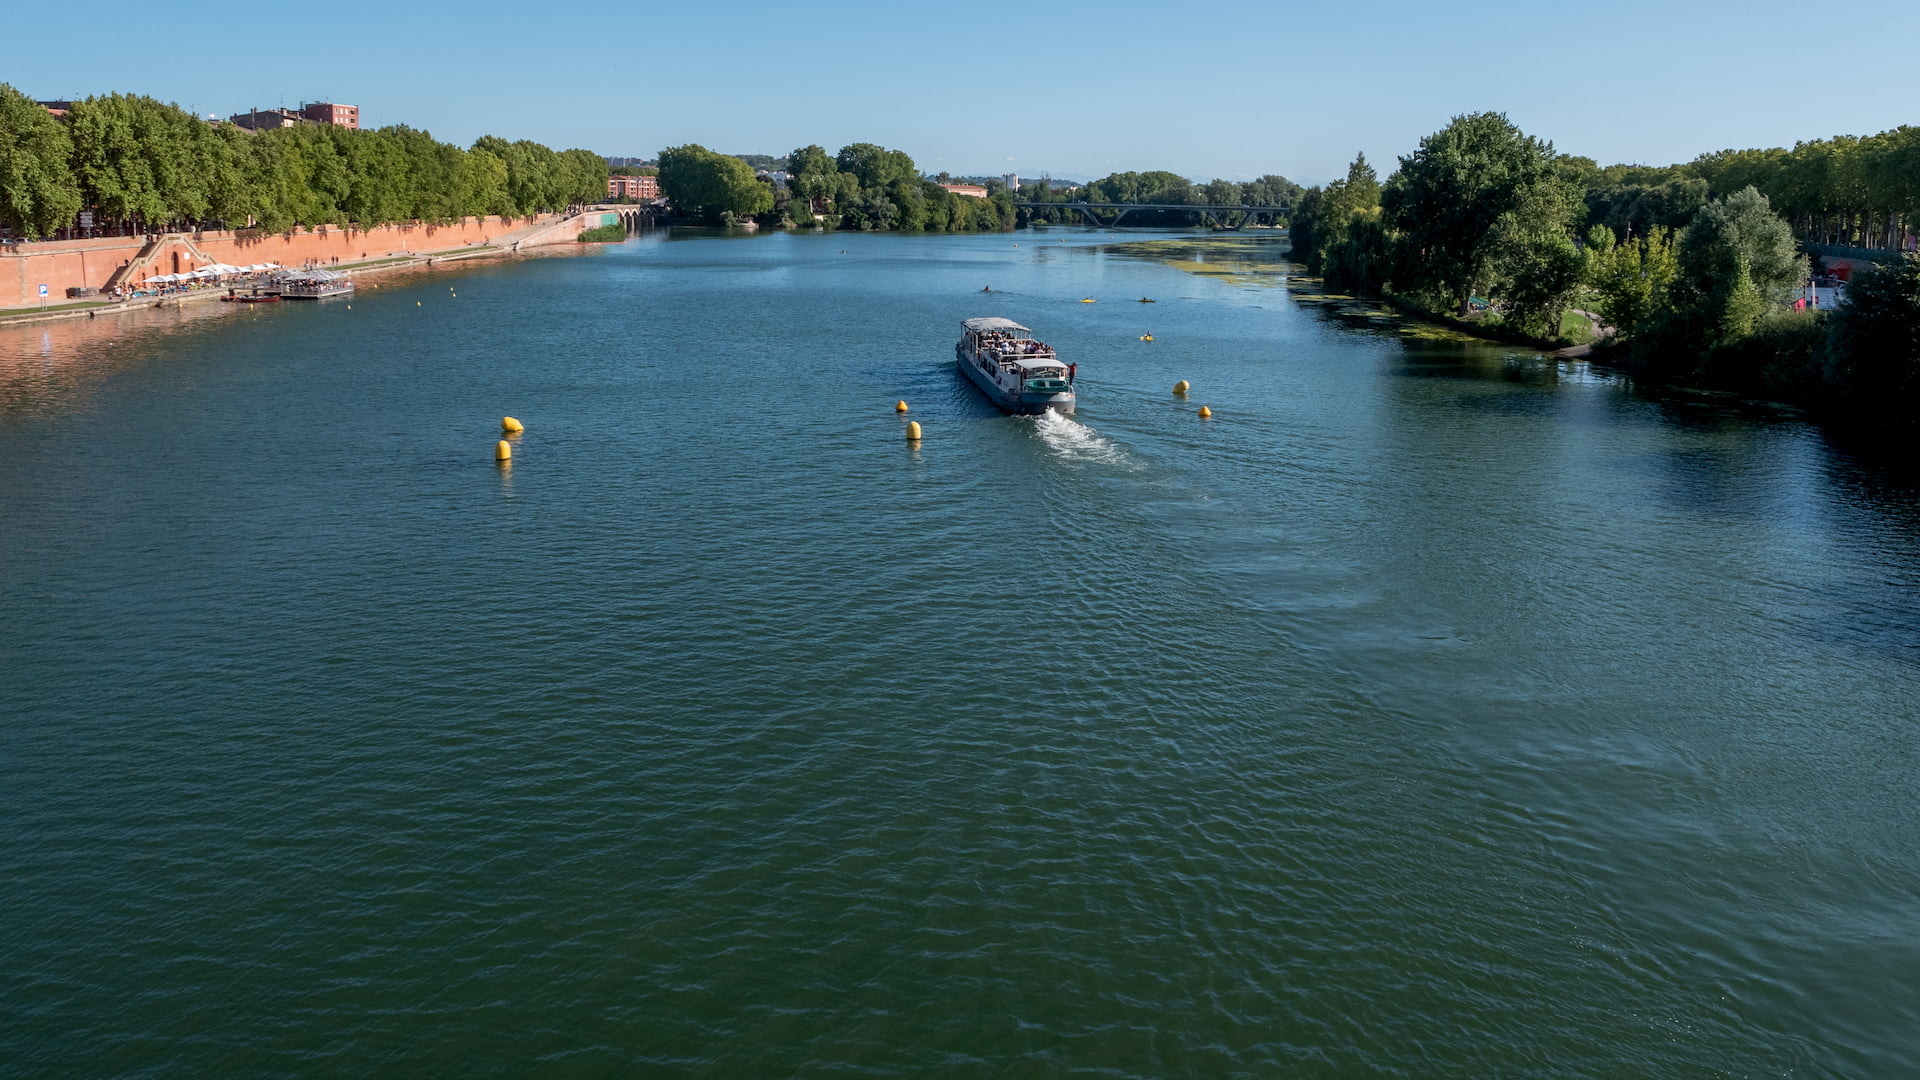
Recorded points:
(1017,373)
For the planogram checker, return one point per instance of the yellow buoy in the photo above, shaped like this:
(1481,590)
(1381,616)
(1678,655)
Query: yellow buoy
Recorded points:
(503,451)
(899,406)
(913,431)
(416,303)
(508,423)
(1180,387)
(1205,412)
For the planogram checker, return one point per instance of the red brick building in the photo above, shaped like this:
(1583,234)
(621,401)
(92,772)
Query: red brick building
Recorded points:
(326,112)
(633,187)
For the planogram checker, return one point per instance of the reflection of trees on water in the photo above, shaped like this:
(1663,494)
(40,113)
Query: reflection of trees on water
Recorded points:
(52,367)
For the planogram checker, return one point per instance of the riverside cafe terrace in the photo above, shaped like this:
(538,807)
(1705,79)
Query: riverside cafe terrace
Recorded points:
(205,277)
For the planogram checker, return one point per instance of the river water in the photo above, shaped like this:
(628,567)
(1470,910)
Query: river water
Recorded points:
(1434,709)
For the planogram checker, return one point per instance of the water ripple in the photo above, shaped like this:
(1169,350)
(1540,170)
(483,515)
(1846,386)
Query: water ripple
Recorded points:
(1434,711)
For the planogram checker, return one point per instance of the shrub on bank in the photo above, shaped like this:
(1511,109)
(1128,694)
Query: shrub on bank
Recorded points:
(1782,358)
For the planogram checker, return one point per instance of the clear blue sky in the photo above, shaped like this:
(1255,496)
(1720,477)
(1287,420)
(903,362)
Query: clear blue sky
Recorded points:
(1231,89)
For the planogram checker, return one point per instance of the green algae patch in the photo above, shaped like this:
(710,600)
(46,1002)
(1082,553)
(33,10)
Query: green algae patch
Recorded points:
(1251,262)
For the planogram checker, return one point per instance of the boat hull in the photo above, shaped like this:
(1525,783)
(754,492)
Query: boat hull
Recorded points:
(1006,400)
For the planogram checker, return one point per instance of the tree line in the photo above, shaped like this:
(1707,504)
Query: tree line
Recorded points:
(1157,186)
(1854,191)
(150,166)
(1693,270)
(864,187)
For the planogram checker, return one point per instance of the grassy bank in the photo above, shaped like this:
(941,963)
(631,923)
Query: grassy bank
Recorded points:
(604,234)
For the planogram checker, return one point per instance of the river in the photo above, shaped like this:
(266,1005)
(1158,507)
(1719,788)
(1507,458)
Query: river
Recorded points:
(1433,709)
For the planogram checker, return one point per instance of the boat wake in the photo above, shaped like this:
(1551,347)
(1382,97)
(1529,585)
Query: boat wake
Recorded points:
(1075,441)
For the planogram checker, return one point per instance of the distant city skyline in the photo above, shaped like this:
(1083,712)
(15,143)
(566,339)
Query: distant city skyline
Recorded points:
(1242,91)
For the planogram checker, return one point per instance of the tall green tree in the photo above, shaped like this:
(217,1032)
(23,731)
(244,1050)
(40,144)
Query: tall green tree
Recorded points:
(134,157)
(583,176)
(1744,221)
(1271,190)
(875,166)
(379,177)
(907,194)
(536,180)
(707,185)
(37,191)
(811,176)
(1735,263)
(1630,278)
(482,185)
(226,162)
(277,182)
(1345,218)
(1449,199)
(1221,192)
(1537,266)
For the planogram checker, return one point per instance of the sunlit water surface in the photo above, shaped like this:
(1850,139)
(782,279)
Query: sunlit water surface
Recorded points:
(1436,709)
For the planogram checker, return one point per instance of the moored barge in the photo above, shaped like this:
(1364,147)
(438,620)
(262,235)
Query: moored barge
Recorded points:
(315,285)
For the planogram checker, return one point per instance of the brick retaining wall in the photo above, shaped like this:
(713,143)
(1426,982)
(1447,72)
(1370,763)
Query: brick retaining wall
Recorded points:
(90,263)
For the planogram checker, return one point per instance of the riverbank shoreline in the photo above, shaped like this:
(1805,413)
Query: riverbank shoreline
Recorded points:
(1486,333)
(32,277)
(552,233)
(369,268)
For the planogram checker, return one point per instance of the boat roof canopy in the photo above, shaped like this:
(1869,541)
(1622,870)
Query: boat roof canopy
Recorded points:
(993,323)
(1028,363)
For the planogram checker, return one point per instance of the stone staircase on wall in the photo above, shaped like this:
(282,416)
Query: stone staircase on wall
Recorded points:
(148,253)
(151,252)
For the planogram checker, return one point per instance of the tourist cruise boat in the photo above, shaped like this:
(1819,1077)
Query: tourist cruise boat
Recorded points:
(315,285)
(1017,373)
